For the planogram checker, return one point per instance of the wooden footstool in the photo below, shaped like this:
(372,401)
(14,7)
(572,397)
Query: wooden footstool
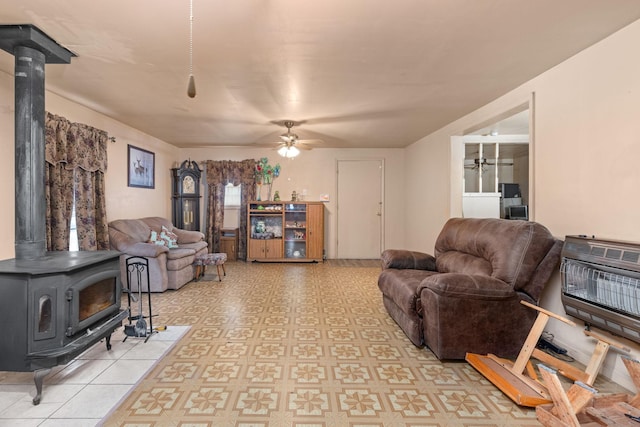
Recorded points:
(202,261)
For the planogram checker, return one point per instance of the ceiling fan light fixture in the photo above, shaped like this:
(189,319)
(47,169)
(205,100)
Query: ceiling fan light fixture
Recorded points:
(289,137)
(288,151)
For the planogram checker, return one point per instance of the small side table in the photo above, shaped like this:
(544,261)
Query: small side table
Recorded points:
(229,243)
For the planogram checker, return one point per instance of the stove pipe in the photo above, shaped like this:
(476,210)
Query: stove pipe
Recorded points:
(30,214)
(32,50)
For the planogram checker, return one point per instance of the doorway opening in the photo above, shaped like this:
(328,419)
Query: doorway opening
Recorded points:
(495,158)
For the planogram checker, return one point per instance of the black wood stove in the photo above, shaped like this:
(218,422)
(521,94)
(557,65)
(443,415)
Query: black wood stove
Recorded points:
(53,305)
(56,307)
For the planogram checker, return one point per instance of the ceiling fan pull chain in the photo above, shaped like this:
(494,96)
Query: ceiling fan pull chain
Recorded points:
(191,87)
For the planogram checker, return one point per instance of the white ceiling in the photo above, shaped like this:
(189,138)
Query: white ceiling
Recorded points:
(358,73)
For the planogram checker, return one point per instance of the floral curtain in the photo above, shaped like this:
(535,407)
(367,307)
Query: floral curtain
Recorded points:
(76,161)
(219,174)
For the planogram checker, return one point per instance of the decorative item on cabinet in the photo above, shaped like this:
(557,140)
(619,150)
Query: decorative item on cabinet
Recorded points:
(186,195)
(265,174)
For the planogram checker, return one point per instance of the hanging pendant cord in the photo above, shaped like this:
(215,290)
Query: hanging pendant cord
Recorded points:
(191,87)
(190,37)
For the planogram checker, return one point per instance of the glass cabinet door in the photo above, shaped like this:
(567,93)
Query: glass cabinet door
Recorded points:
(295,230)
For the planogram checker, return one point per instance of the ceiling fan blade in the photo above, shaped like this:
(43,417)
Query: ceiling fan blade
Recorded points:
(286,122)
(289,138)
(269,143)
(499,164)
(310,141)
(306,144)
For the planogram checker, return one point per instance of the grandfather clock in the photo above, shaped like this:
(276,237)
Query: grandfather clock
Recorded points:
(186,196)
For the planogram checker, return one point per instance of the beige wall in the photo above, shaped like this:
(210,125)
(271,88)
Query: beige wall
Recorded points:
(586,154)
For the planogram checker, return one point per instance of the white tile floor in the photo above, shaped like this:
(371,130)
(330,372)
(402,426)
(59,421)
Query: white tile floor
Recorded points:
(87,389)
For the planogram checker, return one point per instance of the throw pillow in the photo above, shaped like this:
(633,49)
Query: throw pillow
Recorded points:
(155,240)
(169,237)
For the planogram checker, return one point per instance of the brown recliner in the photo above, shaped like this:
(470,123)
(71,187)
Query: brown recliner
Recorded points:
(467,297)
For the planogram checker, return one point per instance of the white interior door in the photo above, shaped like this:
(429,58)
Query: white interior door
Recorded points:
(360,209)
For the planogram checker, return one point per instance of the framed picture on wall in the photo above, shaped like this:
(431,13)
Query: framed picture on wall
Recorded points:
(141,170)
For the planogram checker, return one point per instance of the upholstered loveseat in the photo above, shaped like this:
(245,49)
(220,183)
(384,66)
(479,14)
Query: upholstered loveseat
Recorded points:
(466,297)
(169,268)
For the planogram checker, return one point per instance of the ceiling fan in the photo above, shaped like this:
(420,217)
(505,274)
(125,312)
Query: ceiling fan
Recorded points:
(290,144)
(481,162)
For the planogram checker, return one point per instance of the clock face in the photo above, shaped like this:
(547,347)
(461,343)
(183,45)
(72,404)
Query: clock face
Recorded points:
(188,185)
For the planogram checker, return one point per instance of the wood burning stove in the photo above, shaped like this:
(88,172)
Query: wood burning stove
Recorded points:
(54,305)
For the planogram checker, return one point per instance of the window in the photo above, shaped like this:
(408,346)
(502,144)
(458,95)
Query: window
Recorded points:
(232,201)
(480,167)
(73,230)
(232,196)
(488,164)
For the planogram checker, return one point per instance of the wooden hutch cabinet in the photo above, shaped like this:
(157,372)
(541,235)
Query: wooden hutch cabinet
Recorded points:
(285,231)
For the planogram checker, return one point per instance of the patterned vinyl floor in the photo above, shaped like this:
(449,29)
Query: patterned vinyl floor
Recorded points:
(303,345)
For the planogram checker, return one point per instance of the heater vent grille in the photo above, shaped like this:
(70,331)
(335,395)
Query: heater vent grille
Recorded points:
(601,284)
(609,290)
(629,256)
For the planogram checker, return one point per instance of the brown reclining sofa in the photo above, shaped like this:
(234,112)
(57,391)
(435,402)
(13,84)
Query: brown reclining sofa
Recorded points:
(466,297)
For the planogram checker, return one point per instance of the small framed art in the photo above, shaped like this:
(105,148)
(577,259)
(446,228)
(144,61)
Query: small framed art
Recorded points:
(141,169)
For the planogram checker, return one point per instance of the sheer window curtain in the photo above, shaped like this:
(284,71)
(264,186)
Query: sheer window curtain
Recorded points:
(219,174)
(76,161)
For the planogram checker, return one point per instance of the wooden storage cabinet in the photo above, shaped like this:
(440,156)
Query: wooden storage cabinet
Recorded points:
(285,231)
(229,243)
(267,249)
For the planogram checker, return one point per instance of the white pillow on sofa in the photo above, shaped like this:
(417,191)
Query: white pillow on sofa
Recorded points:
(165,238)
